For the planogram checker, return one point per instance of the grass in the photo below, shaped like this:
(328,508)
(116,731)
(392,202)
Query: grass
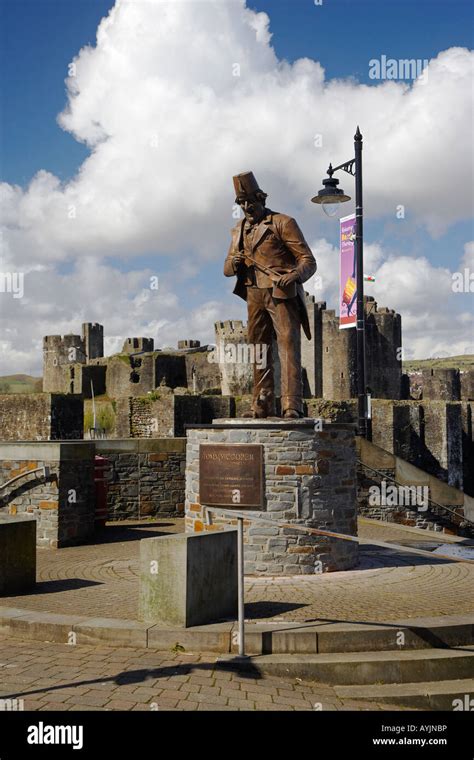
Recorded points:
(465,361)
(20,384)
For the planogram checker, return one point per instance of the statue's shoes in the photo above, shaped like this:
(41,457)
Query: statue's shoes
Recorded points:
(291,414)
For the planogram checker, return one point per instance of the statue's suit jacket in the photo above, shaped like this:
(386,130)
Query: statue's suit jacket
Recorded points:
(277,243)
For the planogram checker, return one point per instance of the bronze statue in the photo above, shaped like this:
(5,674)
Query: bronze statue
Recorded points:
(271,260)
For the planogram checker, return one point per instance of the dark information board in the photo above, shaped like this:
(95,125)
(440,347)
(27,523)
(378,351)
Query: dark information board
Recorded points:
(231,475)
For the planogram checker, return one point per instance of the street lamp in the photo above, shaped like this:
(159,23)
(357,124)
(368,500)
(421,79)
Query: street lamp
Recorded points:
(329,198)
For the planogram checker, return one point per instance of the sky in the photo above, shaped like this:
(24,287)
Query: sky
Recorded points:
(122,125)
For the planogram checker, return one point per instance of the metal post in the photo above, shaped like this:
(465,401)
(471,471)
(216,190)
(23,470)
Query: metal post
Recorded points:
(240,563)
(360,331)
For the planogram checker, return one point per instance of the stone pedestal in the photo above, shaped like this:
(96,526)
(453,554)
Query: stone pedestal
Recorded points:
(309,478)
(189,579)
(17,554)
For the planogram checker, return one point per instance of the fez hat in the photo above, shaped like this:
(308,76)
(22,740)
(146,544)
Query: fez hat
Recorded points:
(246,185)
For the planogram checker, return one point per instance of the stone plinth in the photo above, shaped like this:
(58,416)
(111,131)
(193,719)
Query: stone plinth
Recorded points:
(309,479)
(188,580)
(17,554)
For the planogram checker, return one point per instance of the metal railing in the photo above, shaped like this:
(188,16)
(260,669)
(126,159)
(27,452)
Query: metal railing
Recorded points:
(437,507)
(240,517)
(45,471)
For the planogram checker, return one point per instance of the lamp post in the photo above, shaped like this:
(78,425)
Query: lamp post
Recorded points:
(328,197)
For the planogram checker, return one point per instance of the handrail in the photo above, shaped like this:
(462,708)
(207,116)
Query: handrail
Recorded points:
(431,501)
(241,516)
(343,536)
(45,470)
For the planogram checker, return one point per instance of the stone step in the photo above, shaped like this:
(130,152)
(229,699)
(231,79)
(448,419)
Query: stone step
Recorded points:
(318,637)
(326,637)
(426,695)
(346,668)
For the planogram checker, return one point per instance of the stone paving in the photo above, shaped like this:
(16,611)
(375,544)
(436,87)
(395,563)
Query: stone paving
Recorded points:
(61,677)
(101,580)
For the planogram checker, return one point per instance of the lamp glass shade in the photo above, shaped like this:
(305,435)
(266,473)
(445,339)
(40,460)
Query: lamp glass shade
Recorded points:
(331,208)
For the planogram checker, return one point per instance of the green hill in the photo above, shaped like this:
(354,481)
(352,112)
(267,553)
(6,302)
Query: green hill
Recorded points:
(465,361)
(20,384)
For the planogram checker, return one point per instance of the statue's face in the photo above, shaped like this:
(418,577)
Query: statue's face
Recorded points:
(254,209)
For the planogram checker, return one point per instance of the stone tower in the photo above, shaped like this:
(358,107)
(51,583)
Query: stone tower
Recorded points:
(339,359)
(312,350)
(383,350)
(236,377)
(93,337)
(59,355)
(138,345)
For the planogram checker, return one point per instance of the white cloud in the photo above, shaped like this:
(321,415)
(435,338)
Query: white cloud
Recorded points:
(168,123)
(422,293)
(468,258)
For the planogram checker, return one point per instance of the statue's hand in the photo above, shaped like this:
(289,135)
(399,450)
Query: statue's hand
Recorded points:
(288,279)
(238,259)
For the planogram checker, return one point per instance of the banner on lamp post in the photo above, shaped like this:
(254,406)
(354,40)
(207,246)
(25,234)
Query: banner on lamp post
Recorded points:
(347,273)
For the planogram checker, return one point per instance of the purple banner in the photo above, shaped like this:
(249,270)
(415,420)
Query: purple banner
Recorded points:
(347,273)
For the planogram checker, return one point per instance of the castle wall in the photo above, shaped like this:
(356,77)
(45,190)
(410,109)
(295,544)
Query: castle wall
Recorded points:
(162,417)
(201,374)
(467,419)
(442,384)
(467,385)
(170,370)
(95,374)
(130,375)
(433,435)
(41,417)
(438,383)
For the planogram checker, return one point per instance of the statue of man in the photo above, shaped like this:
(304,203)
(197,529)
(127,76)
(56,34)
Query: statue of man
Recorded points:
(271,260)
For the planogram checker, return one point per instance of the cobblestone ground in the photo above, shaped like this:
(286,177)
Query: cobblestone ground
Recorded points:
(61,677)
(101,580)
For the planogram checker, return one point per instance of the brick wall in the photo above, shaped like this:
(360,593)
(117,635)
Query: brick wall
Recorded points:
(63,503)
(145,477)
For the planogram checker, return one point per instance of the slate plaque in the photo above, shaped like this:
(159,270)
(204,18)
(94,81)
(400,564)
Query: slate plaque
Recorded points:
(231,475)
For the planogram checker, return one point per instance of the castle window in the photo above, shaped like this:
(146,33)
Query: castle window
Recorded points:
(327,349)
(135,343)
(134,377)
(71,373)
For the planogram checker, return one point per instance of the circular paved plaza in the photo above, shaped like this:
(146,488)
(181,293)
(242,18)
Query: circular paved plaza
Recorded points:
(101,579)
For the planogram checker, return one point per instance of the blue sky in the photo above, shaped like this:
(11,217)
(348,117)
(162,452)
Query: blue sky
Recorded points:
(39,38)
